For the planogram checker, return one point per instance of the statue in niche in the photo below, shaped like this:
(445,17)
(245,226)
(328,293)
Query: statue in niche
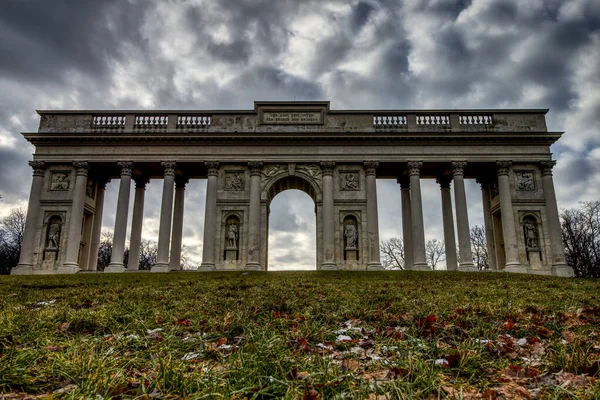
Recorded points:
(53,235)
(234,182)
(525,180)
(89,189)
(531,241)
(232,236)
(60,181)
(350,181)
(351,234)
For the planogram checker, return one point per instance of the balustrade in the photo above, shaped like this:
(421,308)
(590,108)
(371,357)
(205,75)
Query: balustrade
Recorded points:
(108,121)
(193,121)
(389,121)
(151,121)
(433,119)
(475,119)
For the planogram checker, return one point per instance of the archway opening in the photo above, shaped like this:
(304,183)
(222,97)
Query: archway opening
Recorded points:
(292,229)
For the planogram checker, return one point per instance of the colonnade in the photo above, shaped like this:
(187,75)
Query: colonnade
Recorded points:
(172,214)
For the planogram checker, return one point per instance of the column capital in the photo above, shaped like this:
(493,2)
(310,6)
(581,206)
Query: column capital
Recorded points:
(81,168)
(414,167)
(444,181)
(327,167)
(126,167)
(181,181)
(212,168)
(255,167)
(502,167)
(141,181)
(458,167)
(403,181)
(169,167)
(371,167)
(39,167)
(547,166)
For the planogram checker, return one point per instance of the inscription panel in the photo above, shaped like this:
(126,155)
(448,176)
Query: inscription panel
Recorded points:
(292,117)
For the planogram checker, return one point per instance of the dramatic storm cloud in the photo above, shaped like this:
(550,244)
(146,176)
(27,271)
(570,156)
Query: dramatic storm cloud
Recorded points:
(357,54)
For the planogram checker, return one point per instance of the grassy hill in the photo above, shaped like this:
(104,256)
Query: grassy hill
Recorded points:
(305,335)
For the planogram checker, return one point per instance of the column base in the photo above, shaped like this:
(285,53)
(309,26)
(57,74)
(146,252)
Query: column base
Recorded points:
(420,267)
(116,268)
(253,267)
(374,267)
(515,268)
(206,267)
(22,269)
(163,267)
(328,266)
(69,268)
(562,270)
(467,267)
(175,267)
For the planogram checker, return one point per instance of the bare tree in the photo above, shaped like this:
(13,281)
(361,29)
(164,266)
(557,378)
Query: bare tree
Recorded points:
(148,254)
(14,225)
(581,238)
(434,252)
(392,254)
(105,250)
(12,229)
(479,248)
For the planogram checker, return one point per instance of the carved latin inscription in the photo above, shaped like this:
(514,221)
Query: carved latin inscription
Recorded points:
(291,118)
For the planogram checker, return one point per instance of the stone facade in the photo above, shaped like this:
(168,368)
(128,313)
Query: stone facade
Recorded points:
(249,156)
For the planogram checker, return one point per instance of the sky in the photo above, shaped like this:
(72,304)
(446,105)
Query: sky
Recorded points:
(208,54)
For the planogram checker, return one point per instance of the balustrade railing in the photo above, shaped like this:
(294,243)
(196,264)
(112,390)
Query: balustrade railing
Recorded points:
(108,121)
(151,121)
(193,121)
(474,119)
(389,121)
(433,119)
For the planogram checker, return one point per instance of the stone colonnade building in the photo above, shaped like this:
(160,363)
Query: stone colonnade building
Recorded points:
(249,156)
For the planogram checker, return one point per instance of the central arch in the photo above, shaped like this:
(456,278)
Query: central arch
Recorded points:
(307,185)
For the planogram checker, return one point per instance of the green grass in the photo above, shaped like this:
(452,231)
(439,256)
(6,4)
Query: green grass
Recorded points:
(277,335)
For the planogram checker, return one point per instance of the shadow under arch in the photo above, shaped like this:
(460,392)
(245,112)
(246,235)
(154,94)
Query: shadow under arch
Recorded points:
(307,185)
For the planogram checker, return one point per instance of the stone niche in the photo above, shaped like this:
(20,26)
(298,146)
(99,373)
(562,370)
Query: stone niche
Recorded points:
(351,239)
(231,239)
(533,241)
(52,245)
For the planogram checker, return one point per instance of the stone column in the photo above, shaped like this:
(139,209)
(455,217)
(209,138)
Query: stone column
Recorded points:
(177,238)
(328,217)
(97,228)
(210,217)
(166,218)
(372,217)
(25,265)
(462,217)
(448,222)
(120,232)
(559,265)
(414,169)
(487,222)
(137,222)
(254,217)
(71,264)
(509,231)
(407,236)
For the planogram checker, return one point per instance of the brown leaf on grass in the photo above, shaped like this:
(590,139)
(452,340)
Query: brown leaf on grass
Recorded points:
(567,379)
(53,348)
(512,390)
(310,394)
(568,336)
(64,326)
(350,365)
(468,394)
(380,375)
(395,333)
(183,322)
(544,332)
(508,325)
